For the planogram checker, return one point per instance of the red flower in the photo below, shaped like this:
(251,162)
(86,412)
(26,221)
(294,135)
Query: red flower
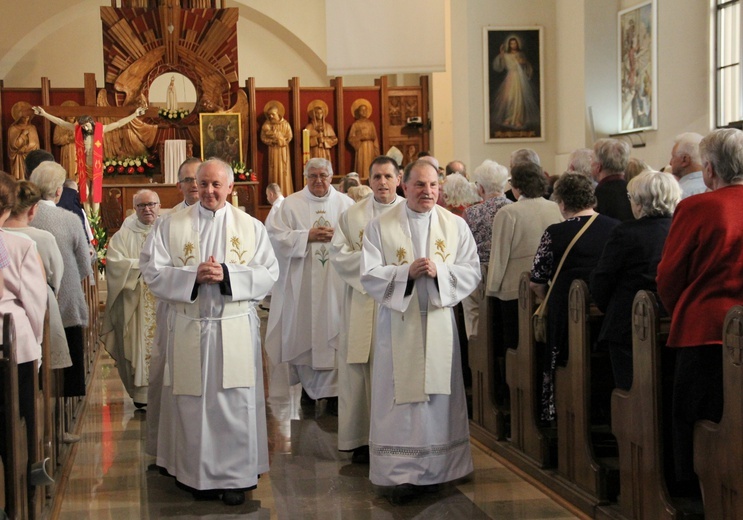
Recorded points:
(241,176)
(110,168)
(149,165)
(140,169)
(94,242)
(120,169)
(130,170)
(103,260)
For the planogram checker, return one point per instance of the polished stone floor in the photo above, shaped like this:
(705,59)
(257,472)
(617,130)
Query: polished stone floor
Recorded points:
(111,477)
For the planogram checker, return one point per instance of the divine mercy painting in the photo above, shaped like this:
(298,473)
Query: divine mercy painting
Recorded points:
(513,84)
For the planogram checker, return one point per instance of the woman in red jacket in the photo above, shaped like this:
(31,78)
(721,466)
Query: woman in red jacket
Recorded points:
(700,276)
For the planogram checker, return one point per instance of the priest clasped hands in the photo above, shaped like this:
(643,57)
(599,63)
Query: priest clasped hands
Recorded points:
(422,267)
(209,272)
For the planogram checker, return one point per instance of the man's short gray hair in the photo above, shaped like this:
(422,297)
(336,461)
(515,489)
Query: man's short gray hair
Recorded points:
(580,161)
(273,187)
(318,163)
(688,144)
(612,154)
(226,168)
(524,155)
(723,150)
(491,176)
(49,177)
(144,191)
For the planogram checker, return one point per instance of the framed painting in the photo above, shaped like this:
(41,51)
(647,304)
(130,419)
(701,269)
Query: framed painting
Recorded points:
(512,72)
(221,137)
(638,68)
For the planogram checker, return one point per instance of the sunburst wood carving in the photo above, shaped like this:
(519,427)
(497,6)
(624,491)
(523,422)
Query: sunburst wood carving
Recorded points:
(201,44)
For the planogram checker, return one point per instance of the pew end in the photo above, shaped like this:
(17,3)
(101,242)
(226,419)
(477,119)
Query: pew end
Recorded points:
(718,451)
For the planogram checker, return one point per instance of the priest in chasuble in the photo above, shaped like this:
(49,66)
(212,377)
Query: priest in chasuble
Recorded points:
(359,309)
(211,263)
(418,261)
(129,322)
(304,324)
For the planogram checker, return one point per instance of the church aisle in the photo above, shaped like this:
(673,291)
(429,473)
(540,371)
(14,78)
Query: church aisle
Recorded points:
(309,479)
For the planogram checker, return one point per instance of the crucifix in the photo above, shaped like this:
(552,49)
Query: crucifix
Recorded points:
(88,133)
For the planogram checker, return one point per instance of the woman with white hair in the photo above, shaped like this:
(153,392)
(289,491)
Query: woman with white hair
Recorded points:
(65,226)
(459,193)
(490,179)
(629,264)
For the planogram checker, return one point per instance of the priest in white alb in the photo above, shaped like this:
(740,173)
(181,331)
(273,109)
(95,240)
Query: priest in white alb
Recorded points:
(212,263)
(418,261)
(129,321)
(304,324)
(359,310)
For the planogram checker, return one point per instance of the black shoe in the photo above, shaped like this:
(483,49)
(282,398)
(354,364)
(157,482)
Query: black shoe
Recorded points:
(233,498)
(402,494)
(360,455)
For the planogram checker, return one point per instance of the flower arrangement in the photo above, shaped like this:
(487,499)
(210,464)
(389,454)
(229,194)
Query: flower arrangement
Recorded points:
(242,173)
(100,238)
(141,165)
(173,114)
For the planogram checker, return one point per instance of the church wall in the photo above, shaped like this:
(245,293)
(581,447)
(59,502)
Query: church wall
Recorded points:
(277,43)
(683,75)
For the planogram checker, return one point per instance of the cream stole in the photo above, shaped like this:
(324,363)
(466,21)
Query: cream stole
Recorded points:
(238,366)
(420,370)
(361,312)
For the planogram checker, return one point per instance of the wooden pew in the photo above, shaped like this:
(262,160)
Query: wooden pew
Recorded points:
(637,421)
(16,449)
(718,450)
(488,422)
(578,462)
(524,378)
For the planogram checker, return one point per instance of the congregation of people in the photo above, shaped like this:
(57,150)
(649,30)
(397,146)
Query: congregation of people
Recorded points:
(373,296)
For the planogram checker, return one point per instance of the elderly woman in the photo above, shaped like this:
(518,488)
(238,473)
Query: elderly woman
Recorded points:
(24,297)
(24,211)
(629,263)
(517,229)
(700,276)
(459,193)
(70,236)
(490,178)
(575,198)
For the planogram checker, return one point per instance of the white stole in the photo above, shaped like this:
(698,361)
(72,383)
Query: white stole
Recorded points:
(238,367)
(420,370)
(361,312)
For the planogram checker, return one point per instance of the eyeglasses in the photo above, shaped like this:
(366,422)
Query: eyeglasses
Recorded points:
(147,205)
(316,177)
(187,180)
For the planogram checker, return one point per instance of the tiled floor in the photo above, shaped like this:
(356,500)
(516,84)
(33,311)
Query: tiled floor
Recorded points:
(309,478)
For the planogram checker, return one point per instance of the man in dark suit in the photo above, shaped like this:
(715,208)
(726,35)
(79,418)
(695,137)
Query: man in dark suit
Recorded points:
(612,156)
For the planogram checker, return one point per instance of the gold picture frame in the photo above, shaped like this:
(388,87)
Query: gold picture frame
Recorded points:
(221,137)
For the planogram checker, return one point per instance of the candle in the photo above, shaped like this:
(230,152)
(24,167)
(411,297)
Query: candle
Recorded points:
(305,146)
(234,198)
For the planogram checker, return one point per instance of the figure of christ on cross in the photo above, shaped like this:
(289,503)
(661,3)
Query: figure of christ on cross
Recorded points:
(89,146)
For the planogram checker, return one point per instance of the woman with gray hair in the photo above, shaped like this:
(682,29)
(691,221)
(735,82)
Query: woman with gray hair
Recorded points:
(76,256)
(459,193)
(575,198)
(629,264)
(700,276)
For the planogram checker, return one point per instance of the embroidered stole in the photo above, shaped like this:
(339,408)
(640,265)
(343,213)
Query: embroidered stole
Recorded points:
(361,312)
(325,325)
(238,369)
(420,369)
